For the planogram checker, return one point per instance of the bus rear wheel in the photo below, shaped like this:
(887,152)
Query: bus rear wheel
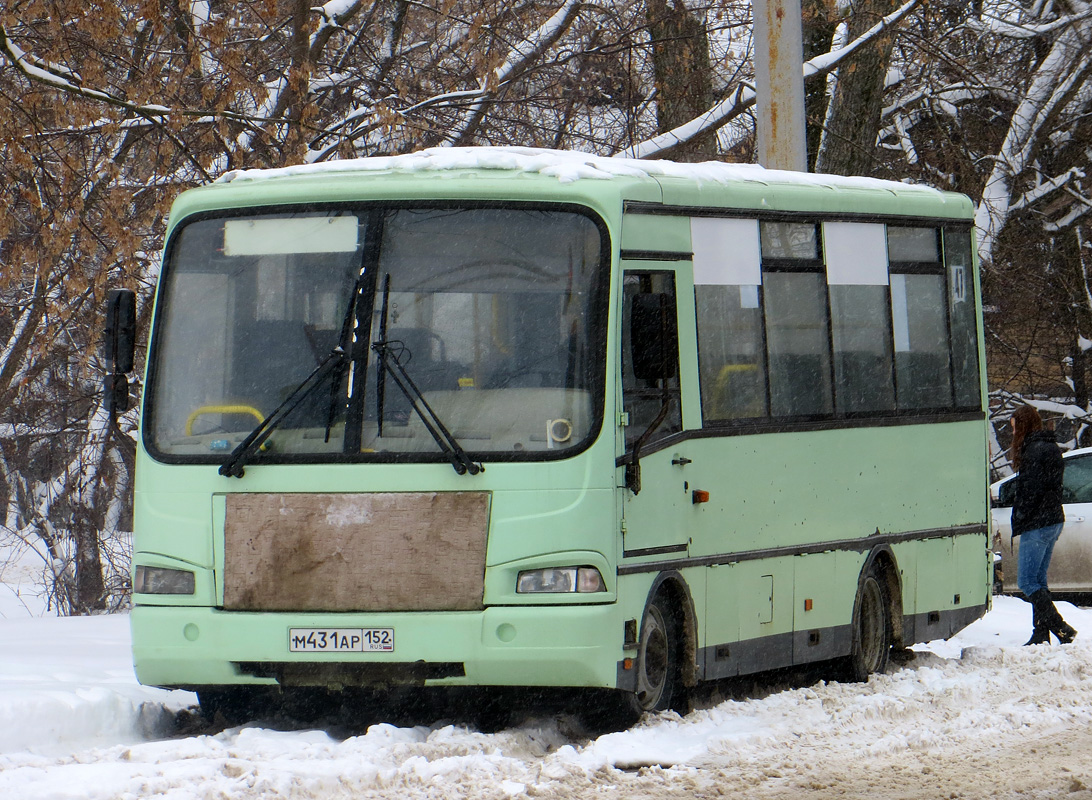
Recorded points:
(871,627)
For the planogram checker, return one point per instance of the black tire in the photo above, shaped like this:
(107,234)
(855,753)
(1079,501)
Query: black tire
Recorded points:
(607,711)
(659,684)
(494,708)
(871,628)
(658,681)
(230,706)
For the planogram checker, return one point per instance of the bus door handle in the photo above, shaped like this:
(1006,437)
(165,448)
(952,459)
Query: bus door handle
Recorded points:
(681,461)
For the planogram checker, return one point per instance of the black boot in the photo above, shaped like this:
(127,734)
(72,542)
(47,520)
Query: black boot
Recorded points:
(1065,632)
(1039,632)
(1044,606)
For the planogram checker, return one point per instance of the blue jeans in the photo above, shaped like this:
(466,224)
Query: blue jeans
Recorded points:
(1036,547)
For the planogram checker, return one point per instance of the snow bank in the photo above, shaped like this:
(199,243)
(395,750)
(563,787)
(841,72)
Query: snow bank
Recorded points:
(74,724)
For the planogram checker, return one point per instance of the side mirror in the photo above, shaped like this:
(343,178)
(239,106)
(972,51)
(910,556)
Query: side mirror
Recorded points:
(120,333)
(116,391)
(119,344)
(654,336)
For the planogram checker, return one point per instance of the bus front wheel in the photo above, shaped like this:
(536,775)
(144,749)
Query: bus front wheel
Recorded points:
(657,661)
(658,681)
(871,627)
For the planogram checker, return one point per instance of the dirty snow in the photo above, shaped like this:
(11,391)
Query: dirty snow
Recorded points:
(978,716)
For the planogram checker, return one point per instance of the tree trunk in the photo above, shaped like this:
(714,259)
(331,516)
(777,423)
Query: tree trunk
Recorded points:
(684,82)
(299,80)
(849,143)
(1069,259)
(90,587)
(820,19)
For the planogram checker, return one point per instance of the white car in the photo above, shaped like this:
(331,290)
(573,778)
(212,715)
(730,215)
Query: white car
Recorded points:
(1071,566)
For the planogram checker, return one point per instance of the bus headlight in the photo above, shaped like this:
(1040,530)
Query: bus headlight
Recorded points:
(158,580)
(559,580)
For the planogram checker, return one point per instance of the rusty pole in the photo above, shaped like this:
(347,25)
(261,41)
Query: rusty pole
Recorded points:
(779,79)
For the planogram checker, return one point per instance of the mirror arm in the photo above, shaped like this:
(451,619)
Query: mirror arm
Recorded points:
(633,467)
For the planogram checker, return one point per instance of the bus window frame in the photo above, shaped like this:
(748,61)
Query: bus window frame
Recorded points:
(843,419)
(599,289)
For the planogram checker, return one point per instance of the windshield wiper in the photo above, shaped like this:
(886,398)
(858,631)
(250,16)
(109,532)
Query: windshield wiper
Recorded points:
(334,364)
(390,363)
(233,467)
(460,459)
(381,373)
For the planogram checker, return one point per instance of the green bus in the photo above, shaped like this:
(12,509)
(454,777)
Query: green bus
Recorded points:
(494,417)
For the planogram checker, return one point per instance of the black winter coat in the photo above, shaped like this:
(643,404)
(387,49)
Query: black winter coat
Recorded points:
(1038,499)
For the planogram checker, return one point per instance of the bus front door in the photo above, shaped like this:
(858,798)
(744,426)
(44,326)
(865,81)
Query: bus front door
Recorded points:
(656,331)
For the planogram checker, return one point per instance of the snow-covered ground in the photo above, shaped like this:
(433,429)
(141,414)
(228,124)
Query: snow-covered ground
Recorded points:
(978,716)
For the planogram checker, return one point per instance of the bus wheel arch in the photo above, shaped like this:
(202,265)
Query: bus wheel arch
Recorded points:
(883,559)
(876,625)
(668,613)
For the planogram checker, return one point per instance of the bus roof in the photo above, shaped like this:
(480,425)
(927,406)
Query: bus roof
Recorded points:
(706,185)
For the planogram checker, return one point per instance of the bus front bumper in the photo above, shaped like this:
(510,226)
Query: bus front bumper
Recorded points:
(575,645)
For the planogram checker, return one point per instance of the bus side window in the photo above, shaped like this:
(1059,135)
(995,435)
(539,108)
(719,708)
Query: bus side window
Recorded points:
(957,257)
(731,357)
(919,316)
(728,304)
(643,397)
(860,316)
(797,325)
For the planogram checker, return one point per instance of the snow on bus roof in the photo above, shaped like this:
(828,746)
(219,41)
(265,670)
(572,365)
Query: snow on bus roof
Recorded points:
(569,166)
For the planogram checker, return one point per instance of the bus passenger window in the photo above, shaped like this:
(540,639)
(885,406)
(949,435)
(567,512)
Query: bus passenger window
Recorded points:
(922,373)
(919,319)
(728,303)
(799,347)
(731,361)
(957,257)
(860,317)
(794,295)
(862,348)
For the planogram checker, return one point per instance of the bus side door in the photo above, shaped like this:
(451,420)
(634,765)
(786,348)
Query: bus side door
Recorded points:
(659,501)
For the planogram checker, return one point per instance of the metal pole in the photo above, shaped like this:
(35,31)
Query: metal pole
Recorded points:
(779,79)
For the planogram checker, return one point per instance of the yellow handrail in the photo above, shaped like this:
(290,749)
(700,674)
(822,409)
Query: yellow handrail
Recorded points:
(222,409)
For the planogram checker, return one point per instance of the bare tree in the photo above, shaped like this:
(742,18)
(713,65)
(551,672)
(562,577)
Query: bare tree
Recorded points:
(110,110)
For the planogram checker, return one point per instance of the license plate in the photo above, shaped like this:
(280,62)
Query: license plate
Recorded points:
(341,640)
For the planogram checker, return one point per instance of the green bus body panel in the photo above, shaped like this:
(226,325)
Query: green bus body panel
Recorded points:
(501,646)
(655,233)
(785,491)
(819,194)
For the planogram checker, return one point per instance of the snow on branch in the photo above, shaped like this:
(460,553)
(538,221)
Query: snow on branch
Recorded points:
(519,59)
(1078,209)
(38,71)
(7,353)
(60,78)
(744,96)
(1046,187)
(1057,77)
(1011,30)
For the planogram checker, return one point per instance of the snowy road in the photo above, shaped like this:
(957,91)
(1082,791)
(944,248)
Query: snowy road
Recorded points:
(977,717)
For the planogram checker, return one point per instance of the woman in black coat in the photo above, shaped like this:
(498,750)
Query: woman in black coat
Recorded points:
(1037,518)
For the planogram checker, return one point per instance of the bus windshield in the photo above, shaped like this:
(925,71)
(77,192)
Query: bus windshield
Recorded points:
(495,314)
